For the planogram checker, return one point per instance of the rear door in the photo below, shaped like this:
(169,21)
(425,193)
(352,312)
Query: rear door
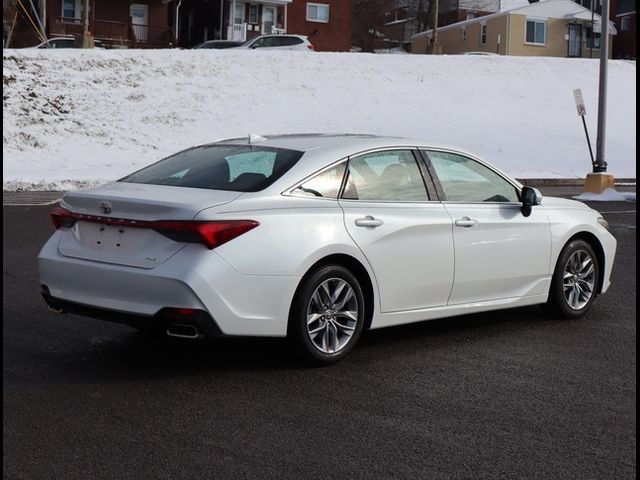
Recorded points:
(406,237)
(499,252)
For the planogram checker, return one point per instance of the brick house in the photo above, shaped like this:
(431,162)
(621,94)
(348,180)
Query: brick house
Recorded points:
(623,14)
(168,23)
(139,23)
(327,24)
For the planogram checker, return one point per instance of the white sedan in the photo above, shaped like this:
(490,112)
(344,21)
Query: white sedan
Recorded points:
(318,238)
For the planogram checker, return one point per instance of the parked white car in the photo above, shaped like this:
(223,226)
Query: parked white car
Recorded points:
(279,42)
(318,238)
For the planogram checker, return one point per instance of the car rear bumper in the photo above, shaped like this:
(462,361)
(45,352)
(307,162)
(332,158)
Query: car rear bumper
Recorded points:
(165,320)
(194,278)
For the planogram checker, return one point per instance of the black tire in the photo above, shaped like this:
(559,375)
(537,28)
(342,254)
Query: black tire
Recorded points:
(298,334)
(557,298)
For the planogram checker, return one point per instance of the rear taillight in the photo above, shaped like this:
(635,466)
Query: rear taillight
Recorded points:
(61,217)
(211,234)
(310,46)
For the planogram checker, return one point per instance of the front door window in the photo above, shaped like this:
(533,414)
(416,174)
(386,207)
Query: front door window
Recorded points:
(140,21)
(575,40)
(268,19)
(238,18)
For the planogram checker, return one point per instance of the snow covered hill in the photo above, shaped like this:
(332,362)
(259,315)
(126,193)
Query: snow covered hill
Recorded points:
(73,117)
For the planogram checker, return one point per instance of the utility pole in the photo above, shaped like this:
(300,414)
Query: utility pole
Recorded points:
(601,165)
(593,11)
(85,15)
(86,40)
(43,14)
(435,47)
(599,180)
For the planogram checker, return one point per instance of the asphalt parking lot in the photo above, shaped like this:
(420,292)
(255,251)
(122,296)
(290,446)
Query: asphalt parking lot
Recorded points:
(511,394)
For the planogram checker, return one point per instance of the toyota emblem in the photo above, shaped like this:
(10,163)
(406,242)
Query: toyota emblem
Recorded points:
(105,206)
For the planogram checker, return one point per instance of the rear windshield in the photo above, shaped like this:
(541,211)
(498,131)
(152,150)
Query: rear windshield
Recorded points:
(237,168)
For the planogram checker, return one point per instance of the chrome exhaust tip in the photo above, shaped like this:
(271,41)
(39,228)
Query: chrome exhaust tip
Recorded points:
(183,330)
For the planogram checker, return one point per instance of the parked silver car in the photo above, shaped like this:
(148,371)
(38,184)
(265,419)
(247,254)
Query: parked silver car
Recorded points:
(279,42)
(319,238)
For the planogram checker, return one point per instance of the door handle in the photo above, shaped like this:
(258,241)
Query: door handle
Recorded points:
(466,222)
(368,221)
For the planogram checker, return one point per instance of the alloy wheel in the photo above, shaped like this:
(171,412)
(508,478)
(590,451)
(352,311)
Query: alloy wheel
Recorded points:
(578,280)
(332,315)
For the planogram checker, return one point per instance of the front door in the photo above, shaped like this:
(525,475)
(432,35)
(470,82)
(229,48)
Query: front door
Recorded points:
(140,20)
(575,40)
(268,19)
(405,237)
(499,252)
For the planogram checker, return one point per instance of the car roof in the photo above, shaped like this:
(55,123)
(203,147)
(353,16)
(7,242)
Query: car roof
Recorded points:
(307,142)
(282,35)
(320,149)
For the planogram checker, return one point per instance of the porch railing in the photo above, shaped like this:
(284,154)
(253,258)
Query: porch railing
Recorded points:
(65,26)
(123,33)
(277,31)
(147,36)
(238,32)
(109,30)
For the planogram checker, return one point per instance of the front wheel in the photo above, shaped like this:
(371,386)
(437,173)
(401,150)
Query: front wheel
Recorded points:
(327,315)
(575,280)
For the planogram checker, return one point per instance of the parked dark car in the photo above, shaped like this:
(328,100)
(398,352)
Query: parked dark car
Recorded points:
(63,42)
(217,44)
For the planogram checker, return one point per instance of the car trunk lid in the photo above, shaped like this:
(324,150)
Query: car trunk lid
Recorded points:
(110,233)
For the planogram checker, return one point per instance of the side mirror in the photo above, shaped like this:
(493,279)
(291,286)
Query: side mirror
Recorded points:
(530,196)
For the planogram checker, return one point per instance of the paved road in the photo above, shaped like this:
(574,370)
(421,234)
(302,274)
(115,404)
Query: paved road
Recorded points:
(513,394)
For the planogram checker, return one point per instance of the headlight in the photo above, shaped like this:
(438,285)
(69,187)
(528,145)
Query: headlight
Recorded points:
(604,223)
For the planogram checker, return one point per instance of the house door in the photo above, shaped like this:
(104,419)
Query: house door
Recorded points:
(575,40)
(268,19)
(140,21)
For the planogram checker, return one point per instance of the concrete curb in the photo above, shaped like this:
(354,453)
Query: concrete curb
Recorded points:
(567,182)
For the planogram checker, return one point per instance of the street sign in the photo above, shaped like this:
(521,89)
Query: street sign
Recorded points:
(582,109)
(582,112)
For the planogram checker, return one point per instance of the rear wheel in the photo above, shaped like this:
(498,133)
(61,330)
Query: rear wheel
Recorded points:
(575,280)
(327,315)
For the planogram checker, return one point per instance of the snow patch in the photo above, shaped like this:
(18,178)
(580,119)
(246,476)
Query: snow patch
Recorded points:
(77,117)
(607,195)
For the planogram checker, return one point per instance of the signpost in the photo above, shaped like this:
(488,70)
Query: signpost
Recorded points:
(582,112)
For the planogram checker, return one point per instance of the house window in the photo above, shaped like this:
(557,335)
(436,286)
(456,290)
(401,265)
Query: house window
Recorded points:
(69,8)
(463,32)
(72,8)
(253,14)
(625,23)
(536,32)
(317,12)
(238,18)
(483,34)
(593,39)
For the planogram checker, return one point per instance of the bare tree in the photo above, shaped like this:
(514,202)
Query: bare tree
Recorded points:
(369,18)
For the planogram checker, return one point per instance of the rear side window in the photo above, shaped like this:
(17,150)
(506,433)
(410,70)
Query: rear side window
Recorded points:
(237,168)
(389,176)
(324,185)
(287,41)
